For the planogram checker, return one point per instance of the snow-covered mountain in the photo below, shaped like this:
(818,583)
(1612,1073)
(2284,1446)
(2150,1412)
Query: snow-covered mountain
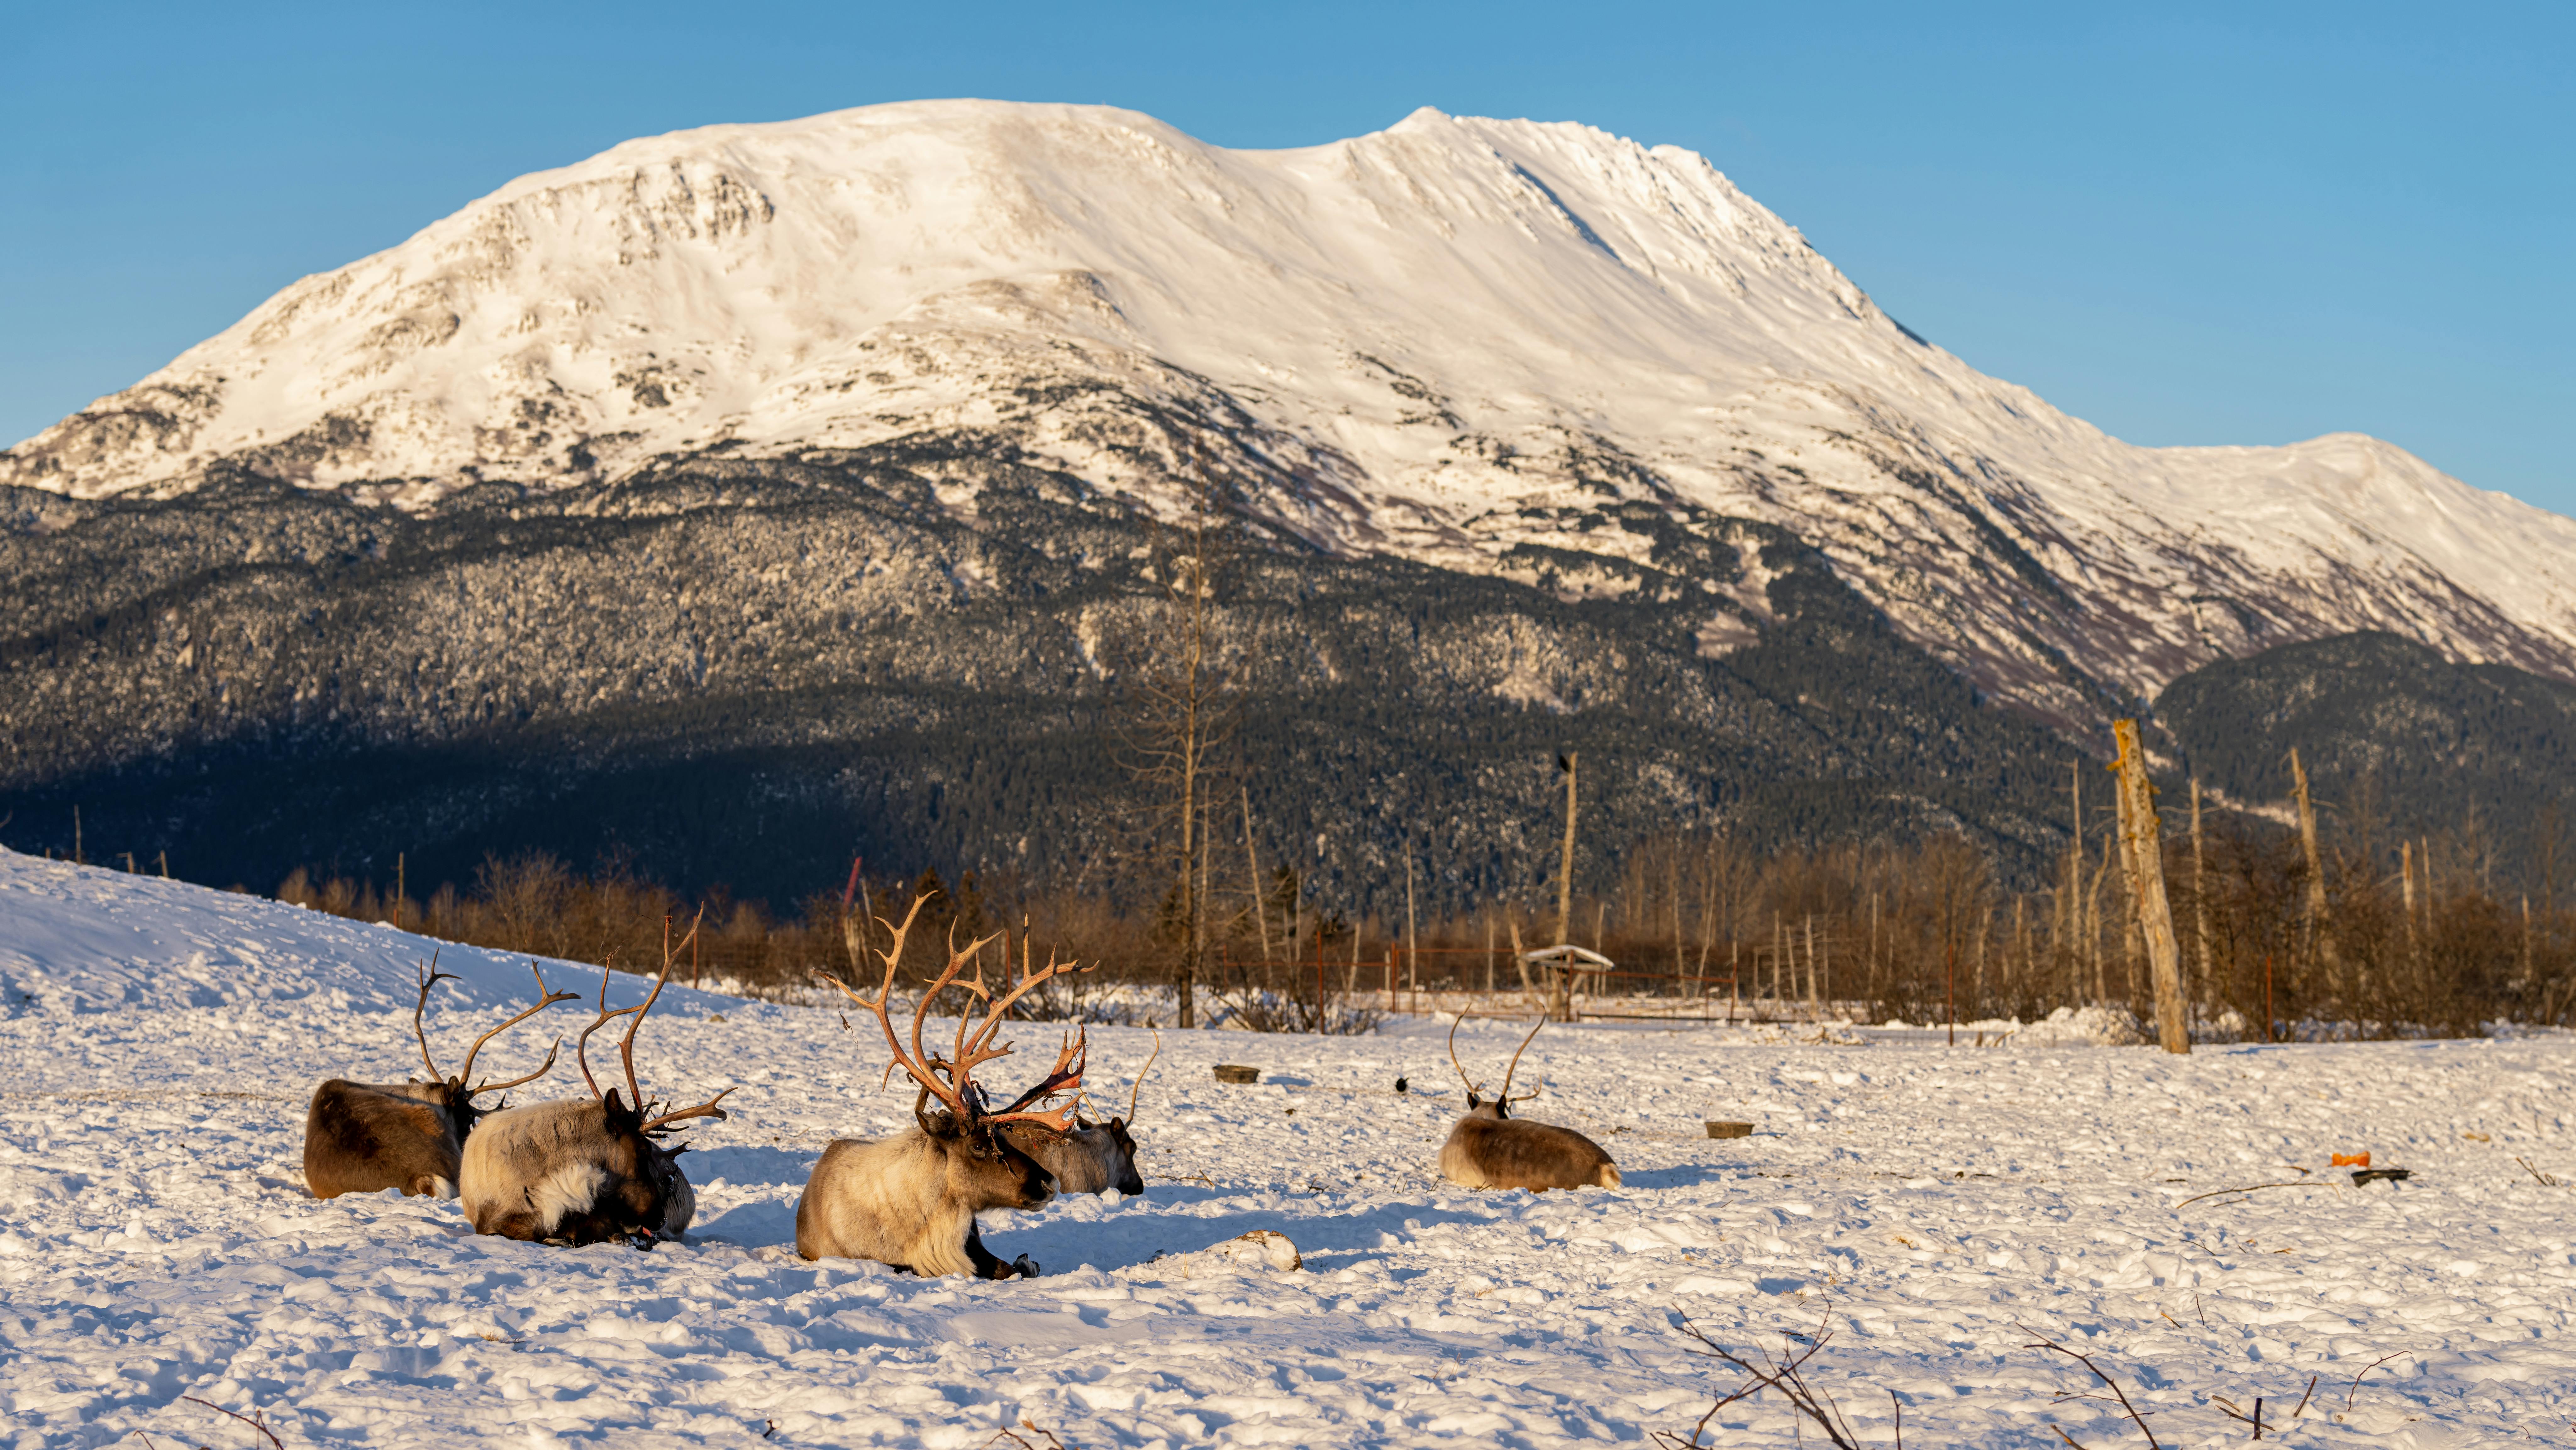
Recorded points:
(1442,340)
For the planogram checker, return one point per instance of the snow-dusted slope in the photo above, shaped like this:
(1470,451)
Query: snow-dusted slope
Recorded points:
(84,939)
(1439,339)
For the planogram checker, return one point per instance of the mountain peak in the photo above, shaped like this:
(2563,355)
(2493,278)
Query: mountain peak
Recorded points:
(1442,340)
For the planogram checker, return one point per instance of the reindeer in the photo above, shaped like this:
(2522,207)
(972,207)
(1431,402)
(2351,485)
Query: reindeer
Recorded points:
(911,1200)
(1489,1148)
(364,1137)
(1094,1157)
(586,1172)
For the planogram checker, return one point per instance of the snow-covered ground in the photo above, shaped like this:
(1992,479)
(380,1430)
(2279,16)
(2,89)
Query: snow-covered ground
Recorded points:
(1944,1209)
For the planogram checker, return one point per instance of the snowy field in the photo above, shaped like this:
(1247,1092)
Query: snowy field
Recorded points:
(1941,1209)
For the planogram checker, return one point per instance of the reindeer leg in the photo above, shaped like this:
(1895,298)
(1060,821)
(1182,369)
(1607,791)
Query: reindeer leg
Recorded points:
(987,1266)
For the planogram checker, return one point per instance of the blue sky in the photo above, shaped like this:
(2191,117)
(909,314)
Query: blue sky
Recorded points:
(2230,224)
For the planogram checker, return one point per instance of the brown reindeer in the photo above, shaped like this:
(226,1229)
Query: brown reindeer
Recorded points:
(586,1172)
(911,1200)
(1489,1148)
(364,1137)
(1093,1157)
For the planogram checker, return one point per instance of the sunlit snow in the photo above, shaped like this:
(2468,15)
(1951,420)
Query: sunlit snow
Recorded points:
(1941,1209)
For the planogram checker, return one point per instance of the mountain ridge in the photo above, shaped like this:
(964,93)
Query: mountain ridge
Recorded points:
(1440,341)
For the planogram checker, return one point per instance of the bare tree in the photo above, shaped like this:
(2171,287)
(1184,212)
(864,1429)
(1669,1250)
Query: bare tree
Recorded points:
(1179,716)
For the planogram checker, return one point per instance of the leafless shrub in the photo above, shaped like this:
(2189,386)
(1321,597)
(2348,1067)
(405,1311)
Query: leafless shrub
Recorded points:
(2118,1395)
(1025,1443)
(257,1419)
(1784,1372)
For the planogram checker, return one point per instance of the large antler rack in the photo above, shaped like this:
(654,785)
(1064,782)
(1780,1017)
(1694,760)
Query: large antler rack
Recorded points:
(430,976)
(951,1079)
(626,1046)
(545,998)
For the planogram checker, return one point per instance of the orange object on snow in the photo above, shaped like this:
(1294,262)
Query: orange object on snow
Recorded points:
(2350,1160)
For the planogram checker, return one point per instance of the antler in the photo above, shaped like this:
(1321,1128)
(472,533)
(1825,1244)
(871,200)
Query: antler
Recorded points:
(911,1063)
(975,1046)
(1139,1085)
(1516,1065)
(430,976)
(1074,1054)
(958,1092)
(1453,1055)
(626,1048)
(545,999)
(581,1044)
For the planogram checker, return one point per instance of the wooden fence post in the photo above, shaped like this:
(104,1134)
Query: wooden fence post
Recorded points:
(2147,871)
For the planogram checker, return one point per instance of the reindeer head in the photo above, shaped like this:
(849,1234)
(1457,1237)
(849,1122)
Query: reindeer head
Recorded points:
(1501,1106)
(647,1196)
(452,1093)
(982,1163)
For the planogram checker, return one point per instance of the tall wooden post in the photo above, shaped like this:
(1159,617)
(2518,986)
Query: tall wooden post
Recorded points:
(1681,963)
(1565,869)
(1252,867)
(1351,982)
(2147,871)
(1815,1006)
(2093,923)
(1984,917)
(2069,918)
(1779,954)
(1412,941)
(2200,899)
(2320,932)
(2406,893)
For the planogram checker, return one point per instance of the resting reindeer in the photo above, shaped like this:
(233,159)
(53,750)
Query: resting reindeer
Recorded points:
(1094,1157)
(362,1137)
(1492,1149)
(585,1172)
(911,1200)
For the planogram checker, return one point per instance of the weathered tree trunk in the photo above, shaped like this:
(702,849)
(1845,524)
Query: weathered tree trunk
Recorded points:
(2093,922)
(1565,868)
(2199,902)
(2070,914)
(1681,963)
(2320,930)
(2406,893)
(1412,942)
(1815,1004)
(2147,871)
(1520,959)
(1489,951)
(1977,971)
(1252,870)
(1779,958)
